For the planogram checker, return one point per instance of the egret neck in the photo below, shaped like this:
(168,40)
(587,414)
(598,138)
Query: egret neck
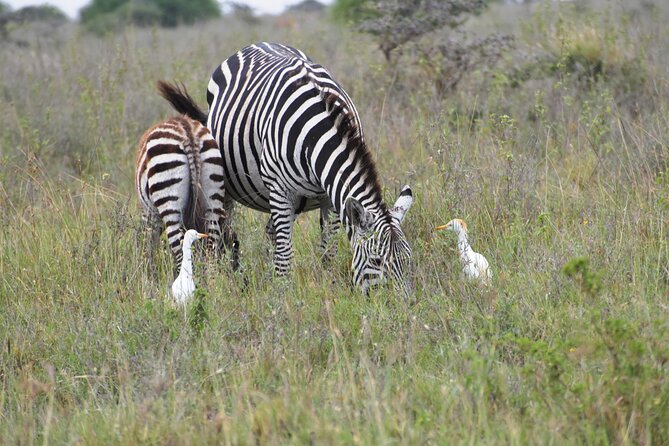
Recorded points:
(465,251)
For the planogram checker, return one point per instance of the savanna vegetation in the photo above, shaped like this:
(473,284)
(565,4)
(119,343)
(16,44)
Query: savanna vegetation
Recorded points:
(554,152)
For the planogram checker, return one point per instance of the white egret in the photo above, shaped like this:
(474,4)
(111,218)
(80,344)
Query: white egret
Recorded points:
(184,285)
(474,265)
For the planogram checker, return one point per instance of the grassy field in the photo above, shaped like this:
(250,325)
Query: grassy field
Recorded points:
(556,158)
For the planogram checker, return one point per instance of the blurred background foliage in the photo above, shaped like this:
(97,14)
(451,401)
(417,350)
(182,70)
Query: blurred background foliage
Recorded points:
(103,15)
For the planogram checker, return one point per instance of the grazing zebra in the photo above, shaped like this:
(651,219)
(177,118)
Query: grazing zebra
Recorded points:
(179,179)
(292,141)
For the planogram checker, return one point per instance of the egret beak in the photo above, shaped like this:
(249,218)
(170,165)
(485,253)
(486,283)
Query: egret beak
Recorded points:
(199,235)
(440,227)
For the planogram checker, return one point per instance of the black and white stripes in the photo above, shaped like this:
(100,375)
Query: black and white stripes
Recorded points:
(291,141)
(179,179)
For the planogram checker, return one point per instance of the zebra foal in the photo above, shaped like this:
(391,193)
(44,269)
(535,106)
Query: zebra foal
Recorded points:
(179,180)
(291,141)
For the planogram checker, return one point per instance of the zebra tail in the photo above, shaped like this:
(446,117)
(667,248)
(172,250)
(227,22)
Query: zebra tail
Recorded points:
(195,217)
(181,101)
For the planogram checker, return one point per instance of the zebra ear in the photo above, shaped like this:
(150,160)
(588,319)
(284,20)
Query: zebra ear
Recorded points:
(402,205)
(357,214)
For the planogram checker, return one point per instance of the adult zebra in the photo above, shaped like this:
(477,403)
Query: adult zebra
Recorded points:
(292,141)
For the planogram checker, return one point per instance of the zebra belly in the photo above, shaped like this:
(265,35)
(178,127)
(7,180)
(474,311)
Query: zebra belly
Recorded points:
(304,204)
(247,185)
(257,198)
(242,176)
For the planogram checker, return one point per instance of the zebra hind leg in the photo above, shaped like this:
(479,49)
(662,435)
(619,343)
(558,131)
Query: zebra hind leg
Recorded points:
(152,227)
(213,240)
(229,238)
(175,235)
(230,242)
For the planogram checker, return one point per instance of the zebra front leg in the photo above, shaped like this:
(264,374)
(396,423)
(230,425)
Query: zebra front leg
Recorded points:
(282,210)
(175,235)
(329,226)
(270,233)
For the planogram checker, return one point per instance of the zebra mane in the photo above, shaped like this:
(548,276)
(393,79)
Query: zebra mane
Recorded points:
(347,124)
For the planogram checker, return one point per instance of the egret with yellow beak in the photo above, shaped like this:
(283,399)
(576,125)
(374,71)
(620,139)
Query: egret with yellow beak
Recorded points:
(474,265)
(184,285)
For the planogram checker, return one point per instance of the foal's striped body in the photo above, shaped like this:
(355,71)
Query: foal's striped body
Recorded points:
(179,179)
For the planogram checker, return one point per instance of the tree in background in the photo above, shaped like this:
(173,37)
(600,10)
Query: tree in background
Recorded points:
(395,23)
(432,28)
(104,15)
(240,11)
(308,6)
(46,14)
(42,13)
(350,11)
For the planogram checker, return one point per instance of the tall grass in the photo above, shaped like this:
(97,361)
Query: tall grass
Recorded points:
(560,172)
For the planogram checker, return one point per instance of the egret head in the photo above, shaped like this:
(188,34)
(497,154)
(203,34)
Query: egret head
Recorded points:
(191,235)
(456,225)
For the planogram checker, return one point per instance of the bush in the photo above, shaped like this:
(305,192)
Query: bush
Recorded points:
(43,13)
(394,23)
(445,62)
(432,29)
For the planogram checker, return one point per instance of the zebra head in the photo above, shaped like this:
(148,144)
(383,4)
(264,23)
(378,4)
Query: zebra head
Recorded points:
(381,251)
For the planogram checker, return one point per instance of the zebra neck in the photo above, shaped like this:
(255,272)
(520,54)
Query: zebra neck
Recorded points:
(345,169)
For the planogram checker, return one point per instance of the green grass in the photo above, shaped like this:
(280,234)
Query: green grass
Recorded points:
(563,184)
